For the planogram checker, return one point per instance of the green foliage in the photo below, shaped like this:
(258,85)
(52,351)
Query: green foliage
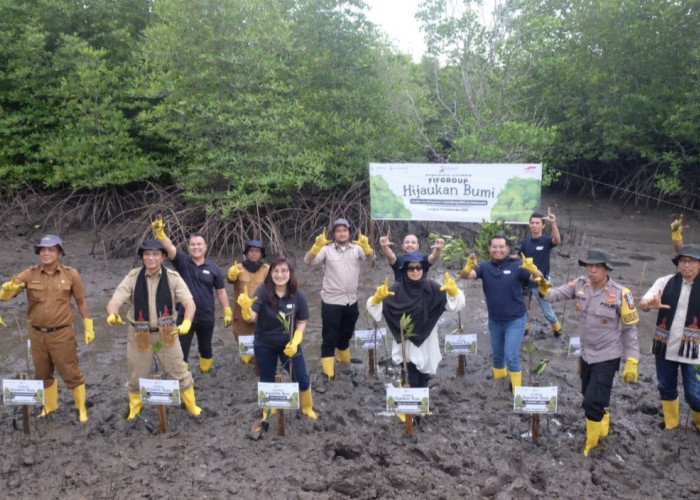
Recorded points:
(489,230)
(517,200)
(406,324)
(455,251)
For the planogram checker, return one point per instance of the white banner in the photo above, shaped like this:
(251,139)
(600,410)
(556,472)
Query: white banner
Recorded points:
(535,399)
(407,399)
(160,391)
(466,192)
(460,343)
(22,392)
(284,395)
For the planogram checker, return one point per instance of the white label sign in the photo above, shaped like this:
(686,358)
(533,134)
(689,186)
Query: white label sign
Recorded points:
(245,345)
(460,344)
(365,339)
(23,392)
(454,192)
(278,395)
(407,399)
(574,347)
(160,391)
(535,399)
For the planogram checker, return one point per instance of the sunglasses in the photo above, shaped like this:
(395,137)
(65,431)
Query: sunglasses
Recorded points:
(414,268)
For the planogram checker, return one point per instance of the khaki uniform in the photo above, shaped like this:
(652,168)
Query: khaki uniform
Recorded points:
(253,282)
(50,317)
(140,359)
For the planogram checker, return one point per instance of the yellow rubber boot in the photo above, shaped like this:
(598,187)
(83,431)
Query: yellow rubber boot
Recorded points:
(307,404)
(516,380)
(79,398)
(328,367)
(696,418)
(190,403)
(605,428)
(246,358)
(593,432)
(187,366)
(556,328)
(50,399)
(205,364)
(671,411)
(401,416)
(135,405)
(500,373)
(343,355)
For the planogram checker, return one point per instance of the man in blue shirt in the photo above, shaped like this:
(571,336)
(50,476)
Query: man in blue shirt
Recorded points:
(201,275)
(539,246)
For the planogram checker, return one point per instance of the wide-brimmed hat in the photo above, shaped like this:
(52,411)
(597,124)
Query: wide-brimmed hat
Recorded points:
(254,244)
(596,256)
(47,241)
(411,257)
(151,244)
(692,251)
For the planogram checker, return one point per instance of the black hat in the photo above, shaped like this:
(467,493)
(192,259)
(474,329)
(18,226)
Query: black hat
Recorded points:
(596,256)
(692,251)
(151,244)
(254,244)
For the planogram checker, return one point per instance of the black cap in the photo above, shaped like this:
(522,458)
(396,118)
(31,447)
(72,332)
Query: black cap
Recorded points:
(151,244)
(692,251)
(596,256)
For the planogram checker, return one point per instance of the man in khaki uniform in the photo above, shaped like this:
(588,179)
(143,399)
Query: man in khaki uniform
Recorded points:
(152,292)
(50,286)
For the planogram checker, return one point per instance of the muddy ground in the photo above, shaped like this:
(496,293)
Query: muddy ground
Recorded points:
(473,446)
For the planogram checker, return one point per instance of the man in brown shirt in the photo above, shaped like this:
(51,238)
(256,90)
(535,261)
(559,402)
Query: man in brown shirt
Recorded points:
(50,286)
(152,292)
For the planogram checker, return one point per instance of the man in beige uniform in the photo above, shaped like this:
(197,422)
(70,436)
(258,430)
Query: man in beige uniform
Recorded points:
(152,292)
(50,286)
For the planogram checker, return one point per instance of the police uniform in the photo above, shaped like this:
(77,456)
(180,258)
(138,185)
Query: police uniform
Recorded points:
(607,327)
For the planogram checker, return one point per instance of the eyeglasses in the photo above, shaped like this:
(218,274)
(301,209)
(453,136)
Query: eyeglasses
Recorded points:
(414,268)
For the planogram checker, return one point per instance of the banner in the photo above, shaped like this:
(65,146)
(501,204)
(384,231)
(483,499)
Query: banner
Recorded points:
(466,192)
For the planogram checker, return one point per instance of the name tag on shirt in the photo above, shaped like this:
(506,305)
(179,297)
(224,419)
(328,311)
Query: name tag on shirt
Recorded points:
(206,271)
(507,271)
(539,248)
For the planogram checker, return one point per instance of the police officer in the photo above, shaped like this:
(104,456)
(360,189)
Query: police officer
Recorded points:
(607,326)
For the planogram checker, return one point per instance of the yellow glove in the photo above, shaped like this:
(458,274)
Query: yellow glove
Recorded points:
(2,322)
(470,265)
(9,288)
(159,228)
(363,241)
(528,264)
(234,272)
(89,331)
(184,327)
(114,319)
(629,373)
(543,285)
(228,317)
(450,286)
(320,242)
(381,293)
(293,345)
(677,229)
(245,301)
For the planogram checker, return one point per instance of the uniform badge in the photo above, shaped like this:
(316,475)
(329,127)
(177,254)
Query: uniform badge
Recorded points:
(604,321)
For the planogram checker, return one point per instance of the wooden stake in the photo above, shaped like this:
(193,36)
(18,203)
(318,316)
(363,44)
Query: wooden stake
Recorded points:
(461,364)
(162,415)
(372,371)
(280,413)
(26,414)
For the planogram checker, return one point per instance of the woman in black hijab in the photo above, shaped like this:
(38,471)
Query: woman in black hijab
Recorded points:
(424,301)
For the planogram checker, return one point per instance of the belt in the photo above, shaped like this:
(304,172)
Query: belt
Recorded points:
(153,330)
(49,330)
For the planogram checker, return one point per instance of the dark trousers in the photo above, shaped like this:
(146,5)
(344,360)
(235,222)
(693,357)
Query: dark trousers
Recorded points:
(204,331)
(338,327)
(596,386)
(416,378)
(267,362)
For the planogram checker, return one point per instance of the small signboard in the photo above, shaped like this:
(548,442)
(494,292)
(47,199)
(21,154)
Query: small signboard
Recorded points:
(460,344)
(407,399)
(245,345)
(535,399)
(23,392)
(574,347)
(368,339)
(284,396)
(160,391)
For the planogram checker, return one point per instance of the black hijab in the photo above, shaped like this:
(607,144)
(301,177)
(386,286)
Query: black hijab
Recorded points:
(421,300)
